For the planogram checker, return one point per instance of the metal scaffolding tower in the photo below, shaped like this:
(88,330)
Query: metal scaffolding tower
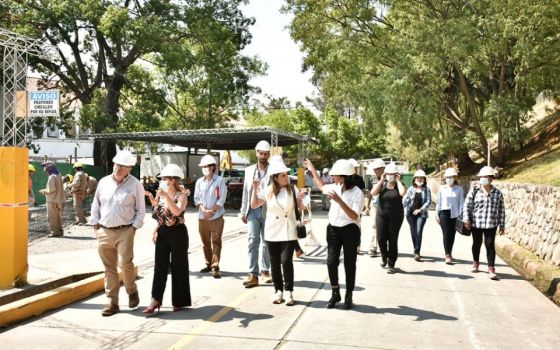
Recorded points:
(16,49)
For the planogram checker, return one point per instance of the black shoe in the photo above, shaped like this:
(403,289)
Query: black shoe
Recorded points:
(383,262)
(348,300)
(335,298)
(206,269)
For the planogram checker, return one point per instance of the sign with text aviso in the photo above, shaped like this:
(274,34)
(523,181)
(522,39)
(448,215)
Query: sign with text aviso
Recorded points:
(44,103)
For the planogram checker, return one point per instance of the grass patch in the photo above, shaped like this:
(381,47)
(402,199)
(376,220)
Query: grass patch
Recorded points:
(543,170)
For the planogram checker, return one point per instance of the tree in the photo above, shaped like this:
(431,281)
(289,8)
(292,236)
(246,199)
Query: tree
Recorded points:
(99,41)
(433,69)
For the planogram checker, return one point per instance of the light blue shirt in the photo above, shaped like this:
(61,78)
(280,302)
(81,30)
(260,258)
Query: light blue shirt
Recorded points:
(451,199)
(209,193)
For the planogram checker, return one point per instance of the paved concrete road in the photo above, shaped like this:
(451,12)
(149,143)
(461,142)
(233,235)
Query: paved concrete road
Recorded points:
(427,305)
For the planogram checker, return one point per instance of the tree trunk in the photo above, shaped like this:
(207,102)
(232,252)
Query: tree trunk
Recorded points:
(103,152)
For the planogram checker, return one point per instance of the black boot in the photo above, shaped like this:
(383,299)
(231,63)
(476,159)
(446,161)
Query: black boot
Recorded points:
(335,298)
(348,300)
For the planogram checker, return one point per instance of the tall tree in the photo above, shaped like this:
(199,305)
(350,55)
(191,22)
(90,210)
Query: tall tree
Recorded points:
(98,41)
(433,68)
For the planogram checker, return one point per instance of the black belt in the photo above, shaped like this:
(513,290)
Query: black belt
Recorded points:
(115,227)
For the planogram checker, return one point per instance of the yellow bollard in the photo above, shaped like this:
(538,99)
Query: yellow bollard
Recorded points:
(13,216)
(300,178)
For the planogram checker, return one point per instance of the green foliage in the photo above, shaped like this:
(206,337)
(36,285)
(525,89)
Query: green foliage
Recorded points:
(433,68)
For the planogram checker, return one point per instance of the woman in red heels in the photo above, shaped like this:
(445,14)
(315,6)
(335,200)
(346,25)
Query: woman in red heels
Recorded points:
(171,236)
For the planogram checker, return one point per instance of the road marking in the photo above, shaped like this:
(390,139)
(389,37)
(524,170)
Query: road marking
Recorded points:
(214,318)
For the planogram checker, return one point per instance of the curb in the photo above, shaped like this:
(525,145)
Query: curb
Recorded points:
(542,274)
(38,304)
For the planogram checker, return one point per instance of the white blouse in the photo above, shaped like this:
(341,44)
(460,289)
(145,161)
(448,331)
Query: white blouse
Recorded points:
(280,223)
(354,198)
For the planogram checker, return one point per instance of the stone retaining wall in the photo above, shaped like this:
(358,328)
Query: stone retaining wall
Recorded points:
(533,218)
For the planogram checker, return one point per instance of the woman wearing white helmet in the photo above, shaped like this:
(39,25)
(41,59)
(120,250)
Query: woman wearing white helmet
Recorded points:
(209,197)
(449,207)
(343,230)
(170,237)
(390,215)
(416,202)
(484,212)
(279,226)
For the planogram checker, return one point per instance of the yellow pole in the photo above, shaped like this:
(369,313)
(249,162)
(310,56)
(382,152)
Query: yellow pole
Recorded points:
(300,177)
(13,216)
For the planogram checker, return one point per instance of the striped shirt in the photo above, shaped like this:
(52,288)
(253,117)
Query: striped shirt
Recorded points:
(485,210)
(209,193)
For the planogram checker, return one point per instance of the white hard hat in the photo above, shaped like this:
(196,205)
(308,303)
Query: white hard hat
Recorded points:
(172,170)
(342,167)
(276,167)
(263,146)
(207,160)
(391,168)
(353,162)
(326,170)
(419,173)
(125,158)
(449,172)
(486,171)
(378,163)
(275,158)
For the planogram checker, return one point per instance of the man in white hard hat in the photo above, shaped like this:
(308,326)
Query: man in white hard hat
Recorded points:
(209,197)
(372,202)
(78,189)
(254,218)
(117,211)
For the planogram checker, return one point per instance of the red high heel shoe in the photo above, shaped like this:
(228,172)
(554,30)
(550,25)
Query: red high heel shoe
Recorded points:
(178,308)
(150,310)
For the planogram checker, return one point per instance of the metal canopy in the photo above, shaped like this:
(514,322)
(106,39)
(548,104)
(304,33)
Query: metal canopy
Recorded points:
(226,139)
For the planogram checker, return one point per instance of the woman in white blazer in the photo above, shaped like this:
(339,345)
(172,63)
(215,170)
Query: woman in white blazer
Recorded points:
(279,227)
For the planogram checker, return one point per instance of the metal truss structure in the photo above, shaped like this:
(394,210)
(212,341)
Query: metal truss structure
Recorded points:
(227,139)
(16,49)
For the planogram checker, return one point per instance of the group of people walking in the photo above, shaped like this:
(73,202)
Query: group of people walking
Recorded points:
(270,208)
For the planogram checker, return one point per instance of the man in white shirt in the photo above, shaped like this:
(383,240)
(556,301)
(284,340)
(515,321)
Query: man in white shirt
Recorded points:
(117,211)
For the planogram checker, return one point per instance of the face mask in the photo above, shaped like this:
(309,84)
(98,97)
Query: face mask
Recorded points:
(419,183)
(163,186)
(390,178)
(449,181)
(484,181)
(205,171)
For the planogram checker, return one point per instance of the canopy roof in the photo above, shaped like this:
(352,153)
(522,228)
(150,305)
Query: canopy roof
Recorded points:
(226,139)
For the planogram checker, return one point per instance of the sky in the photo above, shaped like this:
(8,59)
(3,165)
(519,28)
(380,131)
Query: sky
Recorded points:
(272,44)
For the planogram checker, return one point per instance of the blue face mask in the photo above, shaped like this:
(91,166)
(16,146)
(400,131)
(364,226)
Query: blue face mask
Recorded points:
(163,185)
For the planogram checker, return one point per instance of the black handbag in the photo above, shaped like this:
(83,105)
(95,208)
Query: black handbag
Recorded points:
(300,228)
(460,227)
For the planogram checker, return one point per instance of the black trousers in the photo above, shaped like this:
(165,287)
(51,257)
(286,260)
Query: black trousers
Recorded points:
(172,240)
(448,229)
(388,228)
(489,237)
(347,238)
(281,259)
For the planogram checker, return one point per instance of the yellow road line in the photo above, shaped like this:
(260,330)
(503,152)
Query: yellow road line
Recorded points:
(214,318)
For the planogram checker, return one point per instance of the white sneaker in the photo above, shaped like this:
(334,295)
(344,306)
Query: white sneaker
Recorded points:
(278,298)
(290,299)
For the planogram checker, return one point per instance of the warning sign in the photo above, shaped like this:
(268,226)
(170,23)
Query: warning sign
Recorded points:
(44,103)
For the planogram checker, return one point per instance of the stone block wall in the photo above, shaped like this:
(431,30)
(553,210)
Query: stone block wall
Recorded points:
(533,218)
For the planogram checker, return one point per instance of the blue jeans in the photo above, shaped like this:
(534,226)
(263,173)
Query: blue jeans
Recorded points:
(416,223)
(255,224)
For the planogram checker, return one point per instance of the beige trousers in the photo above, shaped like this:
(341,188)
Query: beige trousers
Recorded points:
(54,217)
(116,246)
(78,199)
(211,236)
